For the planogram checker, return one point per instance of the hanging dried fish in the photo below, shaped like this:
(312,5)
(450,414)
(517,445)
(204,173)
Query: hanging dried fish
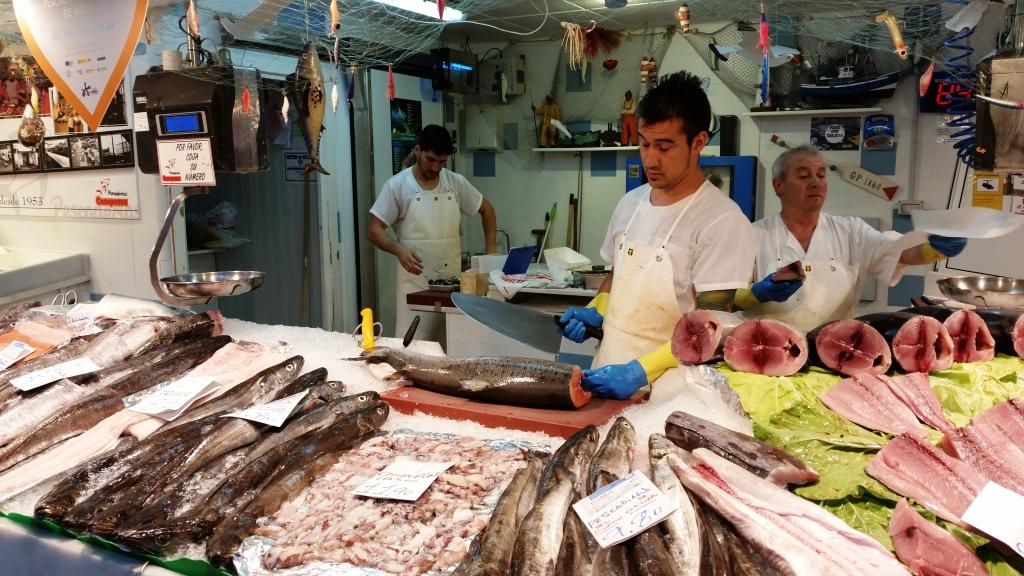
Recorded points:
(573,42)
(335,17)
(31,130)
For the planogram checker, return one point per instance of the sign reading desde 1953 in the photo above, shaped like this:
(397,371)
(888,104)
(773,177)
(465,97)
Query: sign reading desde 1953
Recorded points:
(186,162)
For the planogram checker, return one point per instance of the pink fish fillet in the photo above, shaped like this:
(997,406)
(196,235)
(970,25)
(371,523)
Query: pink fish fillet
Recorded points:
(850,347)
(928,549)
(1006,419)
(867,400)
(698,336)
(913,468)
(796,536)
(922,344)
(768,347)
(972,340)
(989,454)
(915,390)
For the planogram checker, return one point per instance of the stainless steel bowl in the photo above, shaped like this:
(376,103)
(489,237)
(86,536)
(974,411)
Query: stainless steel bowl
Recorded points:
(985,291)
(211,284)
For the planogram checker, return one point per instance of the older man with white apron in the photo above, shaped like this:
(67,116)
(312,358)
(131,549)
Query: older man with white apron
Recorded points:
(424,204)
(675,243)
(836,252)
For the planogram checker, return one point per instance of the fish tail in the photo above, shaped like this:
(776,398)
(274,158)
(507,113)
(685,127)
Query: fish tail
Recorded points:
(315,166)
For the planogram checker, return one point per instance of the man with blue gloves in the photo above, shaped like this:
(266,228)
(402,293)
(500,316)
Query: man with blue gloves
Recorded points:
(836,253)
(676,243)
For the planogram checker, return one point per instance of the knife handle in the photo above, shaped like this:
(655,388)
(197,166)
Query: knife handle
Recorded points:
(592,332)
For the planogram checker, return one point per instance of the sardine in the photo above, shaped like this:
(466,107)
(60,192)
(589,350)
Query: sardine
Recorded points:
(682,528)
(493,548)
(503,380)
(307,462)
(540,537)
(306,92)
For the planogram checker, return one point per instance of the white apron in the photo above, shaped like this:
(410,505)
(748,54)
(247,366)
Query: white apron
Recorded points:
(431,230)
(829,291)
(642,307)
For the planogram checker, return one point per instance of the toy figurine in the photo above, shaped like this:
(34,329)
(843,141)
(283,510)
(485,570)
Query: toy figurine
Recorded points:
(629,135)
(548,135)
(648,71)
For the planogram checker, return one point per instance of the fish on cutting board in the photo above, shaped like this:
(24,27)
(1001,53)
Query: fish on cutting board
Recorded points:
(849,347)
(497,379)
(919,343)
(768,347)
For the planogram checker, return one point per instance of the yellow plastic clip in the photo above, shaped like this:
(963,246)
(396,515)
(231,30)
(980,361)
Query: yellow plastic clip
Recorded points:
(367,328)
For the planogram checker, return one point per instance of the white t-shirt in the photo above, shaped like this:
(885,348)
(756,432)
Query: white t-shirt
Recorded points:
(721,239)
(401,189)
(847,239)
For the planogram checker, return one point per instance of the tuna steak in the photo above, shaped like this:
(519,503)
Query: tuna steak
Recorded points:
(972,340)
(869,401)
(928,549)
(1007,328)
(849,347)
(768,347)
(919,343)
(498,379)
(699,335)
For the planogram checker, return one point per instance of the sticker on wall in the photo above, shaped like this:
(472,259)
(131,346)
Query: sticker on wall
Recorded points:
(879,132)
(836,133)
(987,190)
(83,46)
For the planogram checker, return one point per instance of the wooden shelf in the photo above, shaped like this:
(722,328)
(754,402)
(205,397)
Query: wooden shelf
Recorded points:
(590,149)
(818,112)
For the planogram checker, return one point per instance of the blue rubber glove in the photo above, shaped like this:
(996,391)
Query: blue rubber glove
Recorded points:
(618,381)
(768,290)
(576,320)
(946,245)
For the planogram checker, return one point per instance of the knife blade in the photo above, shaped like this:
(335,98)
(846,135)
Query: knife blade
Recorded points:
(536,329)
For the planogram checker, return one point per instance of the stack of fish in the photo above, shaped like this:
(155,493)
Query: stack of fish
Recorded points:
(923,339)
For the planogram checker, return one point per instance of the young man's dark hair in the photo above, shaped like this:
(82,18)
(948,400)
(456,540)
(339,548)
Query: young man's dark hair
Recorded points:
(680,96)
(435,139)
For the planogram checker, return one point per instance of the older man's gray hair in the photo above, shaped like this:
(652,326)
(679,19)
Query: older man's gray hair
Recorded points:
(782,162)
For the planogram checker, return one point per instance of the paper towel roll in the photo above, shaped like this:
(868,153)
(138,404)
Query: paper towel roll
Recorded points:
(172,60)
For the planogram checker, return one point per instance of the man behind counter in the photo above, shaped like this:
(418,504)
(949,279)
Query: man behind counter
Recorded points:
(836,251)
(676,243)
(423,204)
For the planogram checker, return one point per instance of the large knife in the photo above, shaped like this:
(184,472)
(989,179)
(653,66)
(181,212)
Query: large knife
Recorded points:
(531,327)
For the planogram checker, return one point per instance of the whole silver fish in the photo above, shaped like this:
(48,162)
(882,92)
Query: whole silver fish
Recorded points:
(614,459)
(35,410)
(306,92)
(682,527)
(540,537)
(574,456)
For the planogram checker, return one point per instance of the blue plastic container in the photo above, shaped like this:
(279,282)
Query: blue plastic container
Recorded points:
(519,260)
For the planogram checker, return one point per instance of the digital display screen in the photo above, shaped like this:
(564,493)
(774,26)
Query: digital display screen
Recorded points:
(943,92)
(181,123)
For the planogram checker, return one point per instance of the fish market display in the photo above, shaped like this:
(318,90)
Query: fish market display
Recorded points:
(326,523)
(682,531)
(972,339)
(996,460)
(699,335)
(775,465)
(498,379)
(613,460)
(768,347)
(941,483)
(928,549)
(306,91)
(1006,327)
(849,347)
(796,536)
(39,336)
(868,400)
(1005,419)
(915,391)
(919,343)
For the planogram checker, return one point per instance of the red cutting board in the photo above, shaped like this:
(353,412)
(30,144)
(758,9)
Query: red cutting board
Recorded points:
(564,423)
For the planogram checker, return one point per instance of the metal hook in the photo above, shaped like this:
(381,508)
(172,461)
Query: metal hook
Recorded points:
(591,27)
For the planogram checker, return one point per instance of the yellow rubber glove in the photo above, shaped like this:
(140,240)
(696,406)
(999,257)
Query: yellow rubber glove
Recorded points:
(658,361)
(932,255)
(745,299)
(600,303)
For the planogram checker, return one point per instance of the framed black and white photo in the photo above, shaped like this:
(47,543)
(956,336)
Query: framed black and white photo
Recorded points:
(115,115)
(85,151)
(6,158)
(116,149)
(56,154)
(27,159)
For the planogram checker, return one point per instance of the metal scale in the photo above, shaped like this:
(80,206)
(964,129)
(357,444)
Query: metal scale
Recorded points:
(227,105)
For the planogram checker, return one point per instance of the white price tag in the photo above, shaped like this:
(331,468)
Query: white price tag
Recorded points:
(999,512)
(272,413)
(403,480)
(13,352)
(623,509)
(45,376)
(171,400)
(141,121)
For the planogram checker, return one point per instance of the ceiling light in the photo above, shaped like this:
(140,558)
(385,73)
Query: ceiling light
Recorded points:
(423,8)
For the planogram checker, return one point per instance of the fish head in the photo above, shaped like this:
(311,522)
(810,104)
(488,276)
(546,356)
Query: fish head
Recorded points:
(373,417)
(659,446)
(623,431)
(276,376)
(583,447)
(330,390)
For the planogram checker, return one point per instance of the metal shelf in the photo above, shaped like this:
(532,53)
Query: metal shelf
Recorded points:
(819,112)
(590,149)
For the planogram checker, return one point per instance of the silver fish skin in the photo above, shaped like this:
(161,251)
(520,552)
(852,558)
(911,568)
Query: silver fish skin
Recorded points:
(682,528)
(573,456)
(73,349)
(539,539)
(306,92)
(614,459)
(33,411)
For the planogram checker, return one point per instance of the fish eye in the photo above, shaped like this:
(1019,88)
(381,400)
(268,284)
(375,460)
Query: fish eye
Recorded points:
(362,398)
(380,410)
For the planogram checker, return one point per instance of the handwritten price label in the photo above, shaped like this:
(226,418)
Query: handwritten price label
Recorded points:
(623,509)
(13,352)
(403,480)
(272,413)
(999,512)
(45,376)
(171,400)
